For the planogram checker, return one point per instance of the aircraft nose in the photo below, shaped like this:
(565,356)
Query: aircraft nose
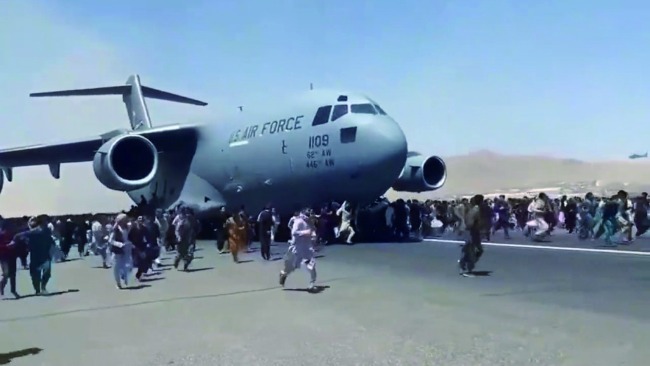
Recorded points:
(391,147)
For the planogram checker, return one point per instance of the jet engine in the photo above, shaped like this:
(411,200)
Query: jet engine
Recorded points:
(126,162)
(421,174)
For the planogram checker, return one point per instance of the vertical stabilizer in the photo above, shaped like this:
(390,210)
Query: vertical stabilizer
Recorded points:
(136,106)
(133,94)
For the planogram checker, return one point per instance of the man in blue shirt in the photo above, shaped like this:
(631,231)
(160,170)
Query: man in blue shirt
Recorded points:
(610,211)
(39,242)
(502,210)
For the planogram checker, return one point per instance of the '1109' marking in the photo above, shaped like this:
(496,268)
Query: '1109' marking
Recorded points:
(319,141)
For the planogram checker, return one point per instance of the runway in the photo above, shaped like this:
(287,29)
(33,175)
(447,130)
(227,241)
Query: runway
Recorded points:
(384,304)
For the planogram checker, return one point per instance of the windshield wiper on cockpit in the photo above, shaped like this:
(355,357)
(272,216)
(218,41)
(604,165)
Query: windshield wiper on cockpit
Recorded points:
(365,108)
(381,111)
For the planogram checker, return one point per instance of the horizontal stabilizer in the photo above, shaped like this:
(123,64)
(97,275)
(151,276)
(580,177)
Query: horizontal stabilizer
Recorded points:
(163,95)
(122,90)
(133,95)
(109,90)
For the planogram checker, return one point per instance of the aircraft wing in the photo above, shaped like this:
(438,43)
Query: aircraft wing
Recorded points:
(82,150)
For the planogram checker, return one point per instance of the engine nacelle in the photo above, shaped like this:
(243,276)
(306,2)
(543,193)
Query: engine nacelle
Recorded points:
(421,174)
(2,180)
(126,162)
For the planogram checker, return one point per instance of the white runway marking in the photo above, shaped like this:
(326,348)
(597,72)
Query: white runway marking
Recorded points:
(547,247)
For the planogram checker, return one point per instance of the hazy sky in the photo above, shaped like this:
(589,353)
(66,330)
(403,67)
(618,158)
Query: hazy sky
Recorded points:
(568,78)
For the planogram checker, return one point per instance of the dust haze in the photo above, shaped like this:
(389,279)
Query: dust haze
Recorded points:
(48,53)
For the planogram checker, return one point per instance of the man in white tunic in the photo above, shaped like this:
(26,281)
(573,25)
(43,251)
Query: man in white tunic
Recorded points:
(301,251)
(99,241)
(184,233)
(540,208)
(162,221)
(56,252)
(290,223)
(345,211)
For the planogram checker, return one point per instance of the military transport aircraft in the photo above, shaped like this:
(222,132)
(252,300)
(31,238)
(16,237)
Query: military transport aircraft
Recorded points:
(320,146)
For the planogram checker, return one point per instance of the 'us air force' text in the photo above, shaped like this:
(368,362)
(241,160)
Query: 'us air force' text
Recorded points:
(268,128)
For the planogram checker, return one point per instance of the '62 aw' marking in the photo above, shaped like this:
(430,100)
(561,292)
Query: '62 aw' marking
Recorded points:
(319,154)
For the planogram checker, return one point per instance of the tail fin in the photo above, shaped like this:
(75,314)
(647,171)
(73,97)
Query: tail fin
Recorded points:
(133,94)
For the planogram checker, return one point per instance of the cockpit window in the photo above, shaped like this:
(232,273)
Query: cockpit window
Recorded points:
(381,111)
(322,115)
(339,111)
(363,109)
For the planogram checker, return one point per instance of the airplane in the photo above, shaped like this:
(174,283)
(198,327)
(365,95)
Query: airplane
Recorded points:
(638,156)
(317,147)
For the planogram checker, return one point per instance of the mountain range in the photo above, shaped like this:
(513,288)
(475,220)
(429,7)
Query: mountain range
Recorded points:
(489,172)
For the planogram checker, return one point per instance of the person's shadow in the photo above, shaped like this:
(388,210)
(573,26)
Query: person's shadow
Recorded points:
(314,290)
(49,294)
(6,358)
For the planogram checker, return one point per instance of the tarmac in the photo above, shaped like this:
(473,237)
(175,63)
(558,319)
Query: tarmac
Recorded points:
(380,304)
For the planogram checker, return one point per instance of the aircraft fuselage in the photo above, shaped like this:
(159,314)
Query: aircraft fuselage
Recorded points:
(290,157)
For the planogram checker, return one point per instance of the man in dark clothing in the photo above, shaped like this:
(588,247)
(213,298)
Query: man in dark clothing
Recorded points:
(641,214)
(473,248)
(486,220)
(21,245)
(326,224)
(502,210)
(170,234)
(570,215)
(67,238)
(39,241)
(220,228)
(401,225)
(265,226)
(153,236)
(8,258)
(138,236)
(23,253)
(81,234)
(415,217)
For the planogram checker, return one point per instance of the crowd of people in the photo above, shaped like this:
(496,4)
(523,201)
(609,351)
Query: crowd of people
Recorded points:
(475,220)
(589,217)
(137,238)
(122,242)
